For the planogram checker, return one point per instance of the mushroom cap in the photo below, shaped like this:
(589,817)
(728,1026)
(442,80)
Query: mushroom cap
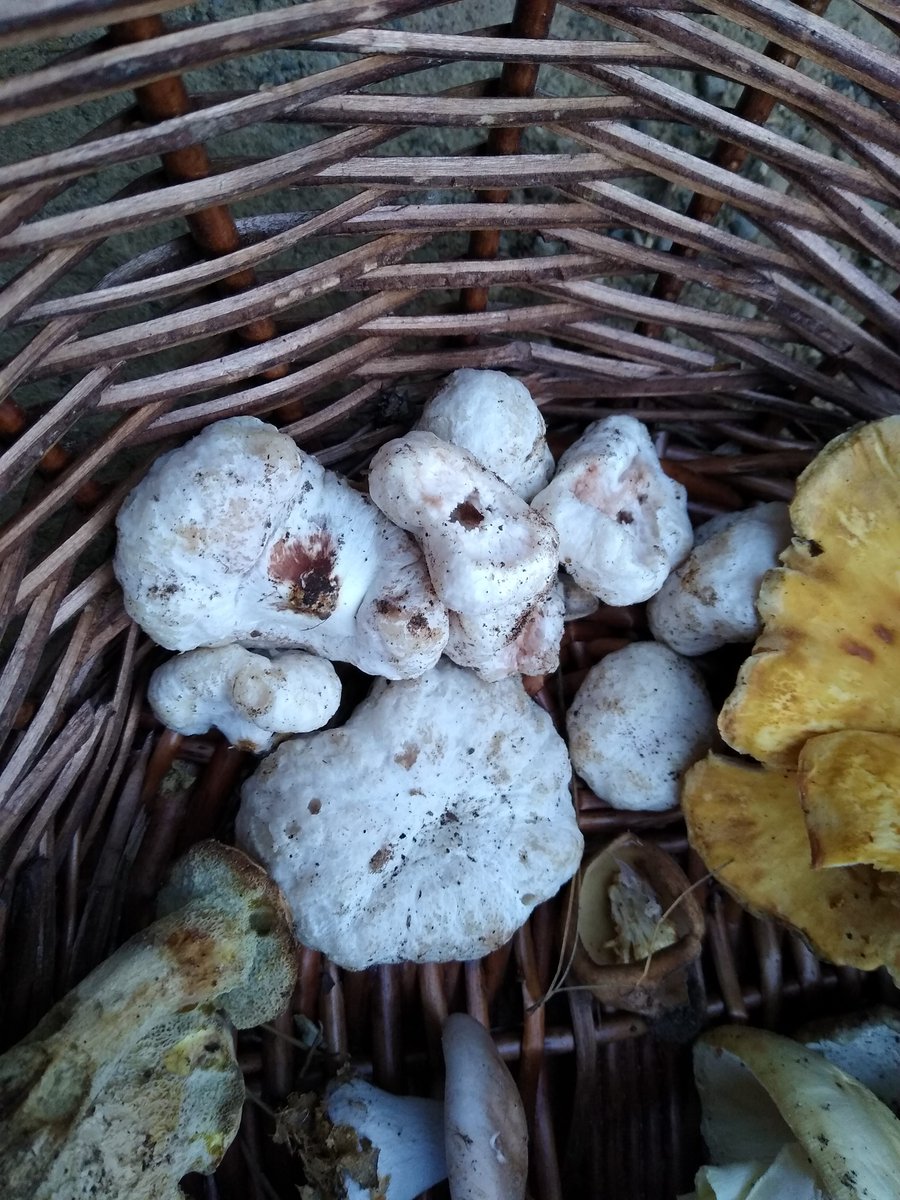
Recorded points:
(746,824)
(639,719)
(486,1135)
(485,548)
(448,798)
(623,523)
(493,416)
(849,784)
(710,600)
(864,1044)
(218,877)
(238,536)
(249,697)
(829,653)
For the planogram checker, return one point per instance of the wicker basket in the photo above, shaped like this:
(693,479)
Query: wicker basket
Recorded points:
(311,212)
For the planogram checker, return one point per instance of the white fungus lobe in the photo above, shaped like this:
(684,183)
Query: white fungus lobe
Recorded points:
(493,416)
(641,717)
(710,600)
(249,697)
(491,558)
(622,523)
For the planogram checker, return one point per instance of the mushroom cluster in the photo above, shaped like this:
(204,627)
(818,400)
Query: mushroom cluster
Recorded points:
(809,835)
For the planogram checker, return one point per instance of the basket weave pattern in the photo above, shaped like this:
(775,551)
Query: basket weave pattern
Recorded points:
(684,211)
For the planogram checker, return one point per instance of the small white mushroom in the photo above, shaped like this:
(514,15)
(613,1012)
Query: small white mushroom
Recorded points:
(641,717)
(449,801)
(238,536)
(486,1133)
(399,1139)
(249,697)
(494,417)
(622,523)
(492,560)
(710,600)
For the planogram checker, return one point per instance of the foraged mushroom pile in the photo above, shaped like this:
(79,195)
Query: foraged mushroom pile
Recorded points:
(811,835)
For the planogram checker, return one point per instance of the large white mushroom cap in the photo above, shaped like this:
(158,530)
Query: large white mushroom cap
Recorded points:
(494,417)
(239,536)
(249,697)
(448,798)
(622,523)
(710,600)
(641,717)
(492,560)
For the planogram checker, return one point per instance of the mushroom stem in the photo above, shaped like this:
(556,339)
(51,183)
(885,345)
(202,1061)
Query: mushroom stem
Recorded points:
(406,1131)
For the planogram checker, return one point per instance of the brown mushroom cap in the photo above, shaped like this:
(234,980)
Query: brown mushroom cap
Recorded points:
(486,1136)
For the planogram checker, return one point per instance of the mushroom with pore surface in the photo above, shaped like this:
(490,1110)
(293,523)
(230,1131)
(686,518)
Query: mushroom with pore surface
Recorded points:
(623,523)
(238,536)
(449,799)
(103,1090)
(492,559)
(250,698)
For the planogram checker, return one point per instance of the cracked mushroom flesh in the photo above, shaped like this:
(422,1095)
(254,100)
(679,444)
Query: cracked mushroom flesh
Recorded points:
(639,719)
(131,1081)
(449,800)
(239,536)
(250,697)
(494,417)
(492,560)
(623,524)
(710,600)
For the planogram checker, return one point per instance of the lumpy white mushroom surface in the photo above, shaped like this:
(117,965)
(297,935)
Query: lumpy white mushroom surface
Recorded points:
(710,600)
(238,536)
(250,697)
(493,416)
(448,801)
(491,558)
(623,524)
(640,718)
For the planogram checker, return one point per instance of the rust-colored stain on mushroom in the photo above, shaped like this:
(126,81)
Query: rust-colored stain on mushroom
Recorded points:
(407,757)
(857,649)
(195,952)
(381,858)
(886,635)
(467,513)
(308,566)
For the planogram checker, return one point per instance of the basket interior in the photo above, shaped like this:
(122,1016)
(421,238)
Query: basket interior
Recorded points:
(686,212)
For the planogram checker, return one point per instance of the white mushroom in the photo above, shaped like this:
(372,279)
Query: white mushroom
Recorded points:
(534,649)
(490,557)
(486,1133)
(448,799)
(239,536)
(494,417)
(622,523)
(362,1143)
(710,600)
(249,697)
(641,717)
